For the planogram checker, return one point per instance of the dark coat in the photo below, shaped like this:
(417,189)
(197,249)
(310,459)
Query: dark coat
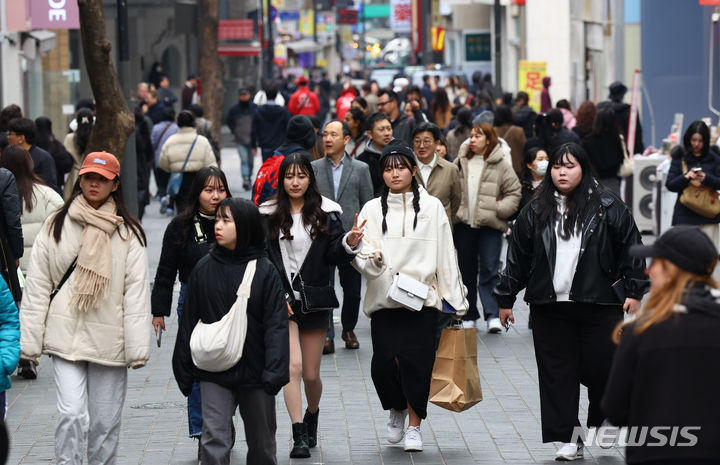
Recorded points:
(11,237)
(622,113)
(174,260)
(239,120)
(606,154)
(326,252)
(669,375)
(371,156)
(608,233)
(211,292)
(354,190)
(676,182)
(269,125)
(44,166)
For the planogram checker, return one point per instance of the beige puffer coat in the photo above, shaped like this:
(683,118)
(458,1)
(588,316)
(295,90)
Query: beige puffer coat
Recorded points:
(178,145)
(498,194)
(45,202)
(117,333)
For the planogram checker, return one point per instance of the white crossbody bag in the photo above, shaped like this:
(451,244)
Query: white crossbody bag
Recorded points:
(218,346)
(406,291)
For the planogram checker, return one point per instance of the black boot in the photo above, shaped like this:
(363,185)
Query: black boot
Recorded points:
(300,448)
(311,421)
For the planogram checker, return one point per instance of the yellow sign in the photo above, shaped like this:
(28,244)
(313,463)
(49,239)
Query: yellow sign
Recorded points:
(530,76)
(307,22)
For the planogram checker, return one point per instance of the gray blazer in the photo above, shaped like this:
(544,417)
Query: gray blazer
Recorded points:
(355,186)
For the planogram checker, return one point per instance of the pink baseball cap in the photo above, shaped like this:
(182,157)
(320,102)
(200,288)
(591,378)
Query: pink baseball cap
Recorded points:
(103,163)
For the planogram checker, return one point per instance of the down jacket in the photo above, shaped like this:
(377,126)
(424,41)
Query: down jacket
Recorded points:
(498,194)
(117,333)
(9,336)
(45,202)
(176,149)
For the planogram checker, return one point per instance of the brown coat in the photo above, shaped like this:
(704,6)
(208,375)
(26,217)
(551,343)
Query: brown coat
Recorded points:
(455,138)
(444,183)
(498,194)
(515,138)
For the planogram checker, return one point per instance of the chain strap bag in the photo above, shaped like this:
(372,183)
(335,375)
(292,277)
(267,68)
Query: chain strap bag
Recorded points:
(701,199)
(218,346)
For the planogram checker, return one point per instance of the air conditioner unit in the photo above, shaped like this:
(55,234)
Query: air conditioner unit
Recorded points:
(645,178)
(664,200)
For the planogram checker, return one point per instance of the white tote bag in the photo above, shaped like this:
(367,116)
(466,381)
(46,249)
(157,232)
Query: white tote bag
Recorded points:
(218,346)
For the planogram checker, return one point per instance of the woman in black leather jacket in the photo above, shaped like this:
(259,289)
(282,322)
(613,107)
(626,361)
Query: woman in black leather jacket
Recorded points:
(569,251)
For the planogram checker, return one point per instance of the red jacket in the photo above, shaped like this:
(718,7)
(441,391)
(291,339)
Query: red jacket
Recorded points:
(344,102)
(304,102)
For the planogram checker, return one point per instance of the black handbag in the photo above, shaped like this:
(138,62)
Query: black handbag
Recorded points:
(317,299)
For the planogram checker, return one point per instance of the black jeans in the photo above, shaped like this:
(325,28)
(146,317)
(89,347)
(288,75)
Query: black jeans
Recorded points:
(573,346)
(350,281)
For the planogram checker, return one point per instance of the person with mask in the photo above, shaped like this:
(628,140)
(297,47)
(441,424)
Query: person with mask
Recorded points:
(535,164)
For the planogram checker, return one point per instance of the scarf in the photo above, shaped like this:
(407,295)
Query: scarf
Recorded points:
(94,262)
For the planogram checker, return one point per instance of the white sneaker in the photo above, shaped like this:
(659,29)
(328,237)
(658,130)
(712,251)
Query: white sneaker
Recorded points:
(468,324)
(493,325)
(396,425)
(569,451)
(413,439)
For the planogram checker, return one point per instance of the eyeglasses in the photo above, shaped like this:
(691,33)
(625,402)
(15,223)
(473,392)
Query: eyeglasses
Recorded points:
(423,143)
(379,104)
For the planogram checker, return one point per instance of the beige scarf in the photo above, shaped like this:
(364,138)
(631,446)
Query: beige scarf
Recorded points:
(94,262)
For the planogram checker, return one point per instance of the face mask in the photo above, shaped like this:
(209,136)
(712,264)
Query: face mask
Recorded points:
(541,167)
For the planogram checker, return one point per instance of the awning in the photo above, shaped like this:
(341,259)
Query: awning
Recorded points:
(239,50)
(303,45)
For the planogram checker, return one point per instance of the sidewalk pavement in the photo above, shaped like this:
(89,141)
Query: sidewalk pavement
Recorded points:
(503,428)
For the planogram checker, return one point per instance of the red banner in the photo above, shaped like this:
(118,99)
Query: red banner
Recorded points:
(235,29)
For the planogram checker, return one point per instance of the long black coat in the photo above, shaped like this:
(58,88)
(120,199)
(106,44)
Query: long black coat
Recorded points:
(210,294)
(11,237)
(608,233)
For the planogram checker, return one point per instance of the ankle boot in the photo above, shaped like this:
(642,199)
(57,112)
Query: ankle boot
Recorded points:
(300,448)
(311,421)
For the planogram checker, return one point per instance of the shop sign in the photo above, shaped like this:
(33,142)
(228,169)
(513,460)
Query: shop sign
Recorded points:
(54,14)
(401,16)
(530,76)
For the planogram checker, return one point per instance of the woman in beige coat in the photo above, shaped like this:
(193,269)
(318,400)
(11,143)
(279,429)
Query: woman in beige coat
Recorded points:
(75,143)
(184,149)
(95,323)
(490,195)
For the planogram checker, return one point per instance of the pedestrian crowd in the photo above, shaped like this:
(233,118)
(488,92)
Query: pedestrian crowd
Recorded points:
(414,189)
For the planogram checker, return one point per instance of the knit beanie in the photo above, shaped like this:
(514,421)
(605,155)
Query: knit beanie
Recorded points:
(301,131)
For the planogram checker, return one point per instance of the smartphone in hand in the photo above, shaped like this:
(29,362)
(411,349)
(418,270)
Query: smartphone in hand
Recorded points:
(158,336)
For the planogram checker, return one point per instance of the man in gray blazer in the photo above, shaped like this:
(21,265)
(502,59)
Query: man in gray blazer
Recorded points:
(347,182)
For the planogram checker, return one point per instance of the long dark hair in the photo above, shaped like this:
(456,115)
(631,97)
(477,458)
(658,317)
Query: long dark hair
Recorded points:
(606,124)
(312,214)
(208,175)
(19,162)
(585,197)
(697,127)
(440,101)
(249,228)
(396,158)
(44,135)
(59,219)
(85,123)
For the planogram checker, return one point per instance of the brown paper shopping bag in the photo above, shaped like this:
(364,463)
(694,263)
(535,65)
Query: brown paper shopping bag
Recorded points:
(455,381)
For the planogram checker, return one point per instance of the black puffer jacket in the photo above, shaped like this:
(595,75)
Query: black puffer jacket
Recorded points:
(11,238)
(174,260)
(210,294)
(669,376)
(608,233)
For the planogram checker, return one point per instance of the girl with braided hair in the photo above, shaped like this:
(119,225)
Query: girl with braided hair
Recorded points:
(406,231)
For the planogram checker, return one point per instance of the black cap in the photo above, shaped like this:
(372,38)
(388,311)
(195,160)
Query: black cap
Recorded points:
(685,246)
(617,89)
(397,147)
(244,90)
(301,131)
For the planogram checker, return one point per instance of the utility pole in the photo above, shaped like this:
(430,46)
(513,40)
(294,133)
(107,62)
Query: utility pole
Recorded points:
(498,45)
(269,52)
(129,166)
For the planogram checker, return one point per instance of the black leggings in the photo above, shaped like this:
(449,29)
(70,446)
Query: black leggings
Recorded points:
(410,337)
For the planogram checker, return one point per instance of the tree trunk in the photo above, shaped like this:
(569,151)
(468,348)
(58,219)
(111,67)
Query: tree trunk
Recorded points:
(213,90)
(114,123)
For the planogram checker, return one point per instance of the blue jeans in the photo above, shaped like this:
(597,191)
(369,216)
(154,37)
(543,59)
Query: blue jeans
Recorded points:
(246,161)
(194,400)
(479,262)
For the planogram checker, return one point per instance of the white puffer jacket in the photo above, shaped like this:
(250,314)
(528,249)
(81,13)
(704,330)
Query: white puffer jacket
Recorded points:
(117,333)
(45,201)
(425,253)
(176,149)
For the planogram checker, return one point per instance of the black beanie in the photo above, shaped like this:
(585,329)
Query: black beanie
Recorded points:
(301,131)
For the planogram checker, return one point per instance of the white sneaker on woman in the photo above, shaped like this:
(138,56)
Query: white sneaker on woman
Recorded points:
(569,451)
(413,439)
(494,326)
(468,324)
(396,425)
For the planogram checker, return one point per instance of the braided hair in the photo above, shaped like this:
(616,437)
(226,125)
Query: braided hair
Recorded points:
(394,156)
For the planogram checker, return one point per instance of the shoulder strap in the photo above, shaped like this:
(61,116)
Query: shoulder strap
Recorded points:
(244,289)
(65,277)
(684,166)
(161,136)
(188,155)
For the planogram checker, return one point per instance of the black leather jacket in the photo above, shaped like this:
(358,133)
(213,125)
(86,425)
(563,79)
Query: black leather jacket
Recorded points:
(607,234)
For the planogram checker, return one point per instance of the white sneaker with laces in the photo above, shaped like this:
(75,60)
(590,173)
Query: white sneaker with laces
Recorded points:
(468,324)
(569,451)
(413,439)
(396,425)
(493,325)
